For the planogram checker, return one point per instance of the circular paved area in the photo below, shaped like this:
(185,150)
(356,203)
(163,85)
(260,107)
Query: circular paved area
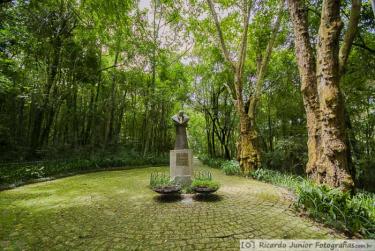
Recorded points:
(116,210)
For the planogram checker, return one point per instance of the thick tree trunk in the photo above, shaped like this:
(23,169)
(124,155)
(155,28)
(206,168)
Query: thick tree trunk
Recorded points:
(332,166)
(248,153)
(306,66)
(327,143)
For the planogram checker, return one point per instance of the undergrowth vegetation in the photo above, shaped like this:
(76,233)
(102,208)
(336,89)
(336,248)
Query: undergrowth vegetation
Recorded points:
(353,214)
(277,178)
(211,162)
(229,167)
(13,173)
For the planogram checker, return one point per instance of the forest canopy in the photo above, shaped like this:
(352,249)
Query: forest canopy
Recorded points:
(281,85)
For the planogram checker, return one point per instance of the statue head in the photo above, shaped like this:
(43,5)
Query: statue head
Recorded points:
(180,117)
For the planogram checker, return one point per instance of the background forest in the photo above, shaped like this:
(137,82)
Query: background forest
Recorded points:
(97,79)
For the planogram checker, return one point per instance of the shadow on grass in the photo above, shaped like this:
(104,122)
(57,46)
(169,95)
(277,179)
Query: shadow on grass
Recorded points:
(168,198)
(202,197)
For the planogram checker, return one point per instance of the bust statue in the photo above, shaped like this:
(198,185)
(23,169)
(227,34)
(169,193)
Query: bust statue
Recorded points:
(180,121)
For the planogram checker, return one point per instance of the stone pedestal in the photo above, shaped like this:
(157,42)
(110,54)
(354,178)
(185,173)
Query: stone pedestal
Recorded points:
(181,166)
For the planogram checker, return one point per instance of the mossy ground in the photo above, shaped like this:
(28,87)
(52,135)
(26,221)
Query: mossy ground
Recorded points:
(117,210)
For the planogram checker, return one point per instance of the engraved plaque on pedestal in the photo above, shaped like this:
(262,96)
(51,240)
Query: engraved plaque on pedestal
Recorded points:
(181,166)
(182,159)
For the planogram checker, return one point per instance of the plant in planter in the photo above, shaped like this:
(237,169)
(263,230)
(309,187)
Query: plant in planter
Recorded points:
(203,183)
(162,183)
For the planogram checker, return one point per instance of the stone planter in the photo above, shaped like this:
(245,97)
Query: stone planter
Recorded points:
(171,189)
(204,190)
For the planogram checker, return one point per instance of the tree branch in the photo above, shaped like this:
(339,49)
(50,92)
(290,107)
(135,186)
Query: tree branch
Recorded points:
(242,56)
(303,48)
(220,34)
(350,34)
(363,46)
(264,65)
(110,67)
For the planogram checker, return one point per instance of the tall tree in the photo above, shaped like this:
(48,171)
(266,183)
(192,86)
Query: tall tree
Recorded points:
(320,77)
(248,151)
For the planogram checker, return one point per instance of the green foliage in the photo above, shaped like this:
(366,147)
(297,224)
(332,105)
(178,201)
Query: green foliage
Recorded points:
(277,178)
(214,185)
(94,74)
(204,179)
(211,162)
(72,76)
(231,167)
(158,179)
(187,189)
(23,172)
(289,155)
(353,214)
(203,175)
(196,134)
(366,200)
(336,208)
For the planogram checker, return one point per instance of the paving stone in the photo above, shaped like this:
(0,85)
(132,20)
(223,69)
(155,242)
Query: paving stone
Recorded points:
(117,211)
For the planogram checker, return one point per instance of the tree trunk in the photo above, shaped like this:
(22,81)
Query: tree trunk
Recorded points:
(109,127)
(306,67)
(332,166)
(270,132)
(327,143)
(248,153)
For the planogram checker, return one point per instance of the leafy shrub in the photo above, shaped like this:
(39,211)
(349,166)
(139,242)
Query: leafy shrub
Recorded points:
(336,208)
(211,162)
(353,214)
(160,180)
(367,200)
(231,167)
(214,185)
(35,171)
(277,178)
(289,155)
